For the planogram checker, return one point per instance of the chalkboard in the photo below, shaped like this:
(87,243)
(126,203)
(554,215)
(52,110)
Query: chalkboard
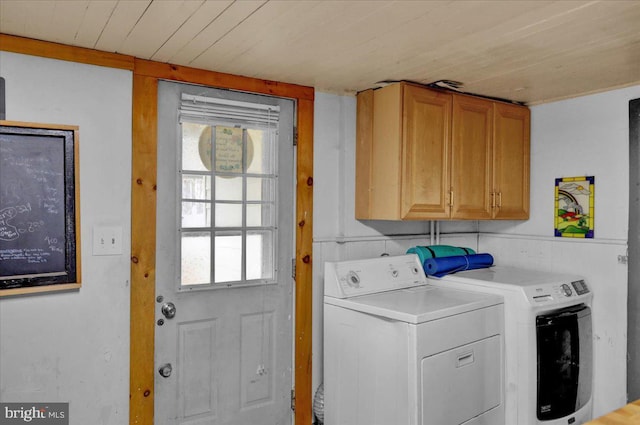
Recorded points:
(39,220)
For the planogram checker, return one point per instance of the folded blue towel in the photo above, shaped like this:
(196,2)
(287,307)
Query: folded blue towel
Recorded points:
(436,251)
(439,267)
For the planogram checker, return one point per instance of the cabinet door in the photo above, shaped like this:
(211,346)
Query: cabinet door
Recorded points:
(511,161)
(425,157)
(471,158)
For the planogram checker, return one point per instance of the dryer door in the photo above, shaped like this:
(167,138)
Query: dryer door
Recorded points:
(462,383)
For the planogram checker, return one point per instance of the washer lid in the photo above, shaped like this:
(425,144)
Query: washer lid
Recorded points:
(418,304)
(537,287)
(501,276)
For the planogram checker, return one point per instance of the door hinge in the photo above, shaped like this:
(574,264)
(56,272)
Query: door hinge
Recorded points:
(293,400)
(295,136)
(293,268)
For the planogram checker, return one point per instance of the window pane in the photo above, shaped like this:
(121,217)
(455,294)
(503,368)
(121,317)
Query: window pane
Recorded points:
(260,189)
(228,258)
(196,186)
(196,214)
(228,215)
(196,147)
(229,188)
(229,149)
(261,147)
(196,258)
(260,215)
(260,255)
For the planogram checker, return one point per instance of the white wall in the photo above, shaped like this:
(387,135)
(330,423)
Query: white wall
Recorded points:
(582,136)
(74,346)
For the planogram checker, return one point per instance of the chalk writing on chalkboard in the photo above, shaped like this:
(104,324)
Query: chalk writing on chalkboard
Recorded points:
(38,214)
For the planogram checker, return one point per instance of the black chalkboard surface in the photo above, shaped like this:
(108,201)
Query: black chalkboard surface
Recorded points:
(39,220)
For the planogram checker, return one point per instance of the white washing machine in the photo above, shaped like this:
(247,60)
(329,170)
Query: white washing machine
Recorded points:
(548,342)
(398,351)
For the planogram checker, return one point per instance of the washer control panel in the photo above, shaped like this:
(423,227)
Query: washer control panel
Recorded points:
(557,291)
(580,287)
(346,279)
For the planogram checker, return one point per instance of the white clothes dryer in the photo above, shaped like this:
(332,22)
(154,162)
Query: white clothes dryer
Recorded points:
(548,342)
(398,351)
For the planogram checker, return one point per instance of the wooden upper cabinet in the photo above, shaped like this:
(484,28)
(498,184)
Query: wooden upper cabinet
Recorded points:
(511,161)
(424,154)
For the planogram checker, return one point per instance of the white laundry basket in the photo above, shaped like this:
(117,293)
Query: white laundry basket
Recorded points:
(318,404)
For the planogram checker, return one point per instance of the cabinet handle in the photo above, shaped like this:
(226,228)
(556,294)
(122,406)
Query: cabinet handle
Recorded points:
(451,198)
(493,199)
(499,199)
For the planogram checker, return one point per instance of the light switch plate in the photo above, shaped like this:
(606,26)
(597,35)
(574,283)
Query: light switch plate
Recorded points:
(107,240)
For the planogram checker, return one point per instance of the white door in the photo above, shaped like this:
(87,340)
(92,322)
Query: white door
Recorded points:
(224,256)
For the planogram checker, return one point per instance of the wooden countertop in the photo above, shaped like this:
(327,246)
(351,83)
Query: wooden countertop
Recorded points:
(627,415)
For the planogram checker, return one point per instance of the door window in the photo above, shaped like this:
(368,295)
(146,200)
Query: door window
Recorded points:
(227,196)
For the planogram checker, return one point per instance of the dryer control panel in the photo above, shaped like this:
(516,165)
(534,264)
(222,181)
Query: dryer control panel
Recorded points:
(346,279)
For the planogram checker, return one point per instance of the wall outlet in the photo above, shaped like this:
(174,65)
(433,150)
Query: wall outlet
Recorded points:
(107,240)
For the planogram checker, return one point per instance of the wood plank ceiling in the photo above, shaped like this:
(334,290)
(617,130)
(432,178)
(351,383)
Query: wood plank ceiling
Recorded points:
(526,51)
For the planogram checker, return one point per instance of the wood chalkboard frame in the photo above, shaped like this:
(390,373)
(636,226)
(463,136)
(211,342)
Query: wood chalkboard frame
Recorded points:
(39,208)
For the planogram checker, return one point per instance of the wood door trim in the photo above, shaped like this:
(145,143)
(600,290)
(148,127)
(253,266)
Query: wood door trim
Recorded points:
(143,203)
(143,249)
(185,74)
(304,265)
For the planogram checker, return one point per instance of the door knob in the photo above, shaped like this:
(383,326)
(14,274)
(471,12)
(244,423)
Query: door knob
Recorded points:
(168,310)
(165,370)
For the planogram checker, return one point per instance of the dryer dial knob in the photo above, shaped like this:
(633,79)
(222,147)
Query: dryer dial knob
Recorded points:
(567,290)
(353,280)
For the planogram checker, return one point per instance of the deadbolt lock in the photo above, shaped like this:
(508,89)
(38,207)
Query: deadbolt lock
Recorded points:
(165,370)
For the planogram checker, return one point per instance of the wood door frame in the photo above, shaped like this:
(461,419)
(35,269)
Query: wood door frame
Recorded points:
(146,75)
